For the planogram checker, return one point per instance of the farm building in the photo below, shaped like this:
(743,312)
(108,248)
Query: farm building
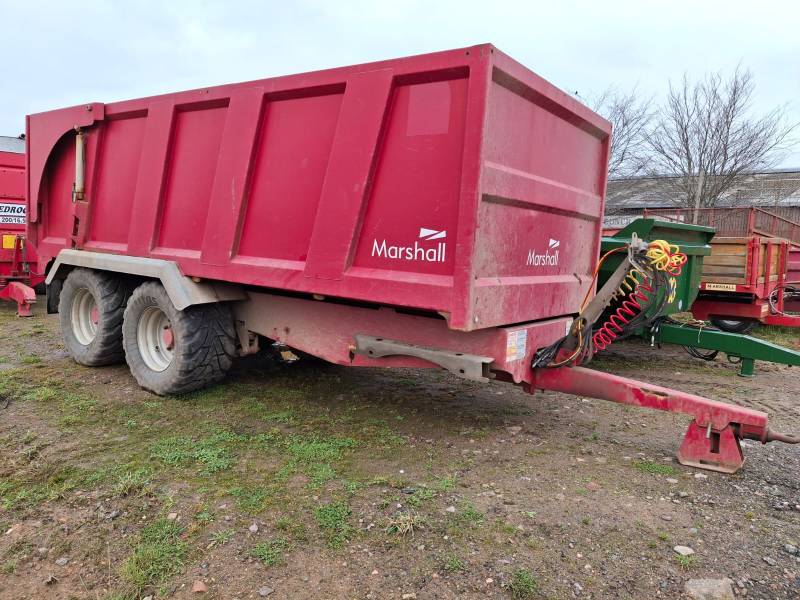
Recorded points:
(776,191)
(12,144)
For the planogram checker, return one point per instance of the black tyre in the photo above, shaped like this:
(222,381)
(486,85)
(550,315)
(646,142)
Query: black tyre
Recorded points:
(733,326)
(90,309)
(172,351)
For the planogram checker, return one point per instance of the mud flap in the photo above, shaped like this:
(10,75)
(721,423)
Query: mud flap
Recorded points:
(714,450)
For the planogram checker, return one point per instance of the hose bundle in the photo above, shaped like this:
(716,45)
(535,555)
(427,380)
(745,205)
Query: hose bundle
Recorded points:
(637,302)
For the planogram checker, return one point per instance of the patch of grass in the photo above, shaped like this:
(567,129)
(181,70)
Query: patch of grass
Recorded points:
(68,421)
(286,417)
(420,496)
(404,523)
(295,528)
(333,520)
(380,434)
(158,556)
(205,516)
(15,552)
(654,468)
(223,536)
(270,552)
(445,484)
(663,536)
(30,359)
(29,493)
(313,449)
(173,451)
(351,487)
(212,452)
(686,562)
(453,564)
(131,483)
(504,527)
(470,516)
(41,394)
(523,585)
(214,458)
(319,474)
(251,500)
(783,336)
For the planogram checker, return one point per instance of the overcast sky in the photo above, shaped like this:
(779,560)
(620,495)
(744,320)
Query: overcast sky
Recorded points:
(58,53)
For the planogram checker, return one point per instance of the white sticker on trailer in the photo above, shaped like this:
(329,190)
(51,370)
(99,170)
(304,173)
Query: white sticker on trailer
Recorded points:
(12,214)
(720,287)
(516,345)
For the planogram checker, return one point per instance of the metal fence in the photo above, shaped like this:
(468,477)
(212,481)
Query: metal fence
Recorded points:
(733,222)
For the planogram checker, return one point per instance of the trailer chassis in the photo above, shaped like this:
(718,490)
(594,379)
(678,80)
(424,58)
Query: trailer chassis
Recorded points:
(367,335)
(385,337)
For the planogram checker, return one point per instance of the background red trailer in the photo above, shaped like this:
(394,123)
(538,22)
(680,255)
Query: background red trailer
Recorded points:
(753,272)
(16,255)
(441,210)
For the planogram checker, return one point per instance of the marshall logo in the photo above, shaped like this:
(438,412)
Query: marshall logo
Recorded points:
(422,252)
(548,259)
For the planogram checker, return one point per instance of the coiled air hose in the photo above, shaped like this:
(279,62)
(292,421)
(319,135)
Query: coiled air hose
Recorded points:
(643,284)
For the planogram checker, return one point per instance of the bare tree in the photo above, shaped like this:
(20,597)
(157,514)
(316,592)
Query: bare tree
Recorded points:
(707,140)
(630,117)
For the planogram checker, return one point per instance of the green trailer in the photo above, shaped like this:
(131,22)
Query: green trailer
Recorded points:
(694,241)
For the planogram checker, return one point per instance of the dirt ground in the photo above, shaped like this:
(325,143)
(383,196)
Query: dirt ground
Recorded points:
(317,481)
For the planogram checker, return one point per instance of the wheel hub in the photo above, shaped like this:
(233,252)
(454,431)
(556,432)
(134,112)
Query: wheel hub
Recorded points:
(155,338)
(85,317)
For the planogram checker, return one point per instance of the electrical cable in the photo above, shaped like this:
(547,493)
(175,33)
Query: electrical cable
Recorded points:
(789,292)
(642,285)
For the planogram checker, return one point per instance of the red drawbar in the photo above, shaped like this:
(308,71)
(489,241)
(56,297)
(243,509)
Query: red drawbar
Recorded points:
(712,439)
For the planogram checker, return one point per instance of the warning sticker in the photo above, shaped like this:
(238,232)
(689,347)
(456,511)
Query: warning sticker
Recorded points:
(12,214)
(721,287)
(516,345)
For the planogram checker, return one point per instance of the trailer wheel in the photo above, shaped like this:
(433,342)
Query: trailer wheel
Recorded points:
(90,306)
(172,351)
(733,326)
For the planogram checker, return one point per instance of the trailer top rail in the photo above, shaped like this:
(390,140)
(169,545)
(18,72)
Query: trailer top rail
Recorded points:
(733,222)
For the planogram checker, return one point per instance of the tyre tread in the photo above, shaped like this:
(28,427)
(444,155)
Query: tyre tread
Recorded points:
(111,296)
(205,353)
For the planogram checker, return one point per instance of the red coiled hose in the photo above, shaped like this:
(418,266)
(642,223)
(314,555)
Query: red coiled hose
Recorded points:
(663,256)
(630,307)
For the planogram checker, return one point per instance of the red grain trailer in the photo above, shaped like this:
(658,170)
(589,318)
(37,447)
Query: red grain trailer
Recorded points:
(441,210)
(15,255)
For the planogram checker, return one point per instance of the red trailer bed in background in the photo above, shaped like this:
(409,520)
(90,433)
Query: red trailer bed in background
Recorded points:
(753,270)
(441,210)
(16,256)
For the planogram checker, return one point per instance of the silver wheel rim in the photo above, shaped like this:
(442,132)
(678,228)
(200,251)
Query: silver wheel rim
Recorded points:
(155,339)
(85,317)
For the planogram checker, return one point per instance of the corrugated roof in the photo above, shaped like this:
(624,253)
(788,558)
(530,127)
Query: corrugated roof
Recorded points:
(12,144)
(778,188)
